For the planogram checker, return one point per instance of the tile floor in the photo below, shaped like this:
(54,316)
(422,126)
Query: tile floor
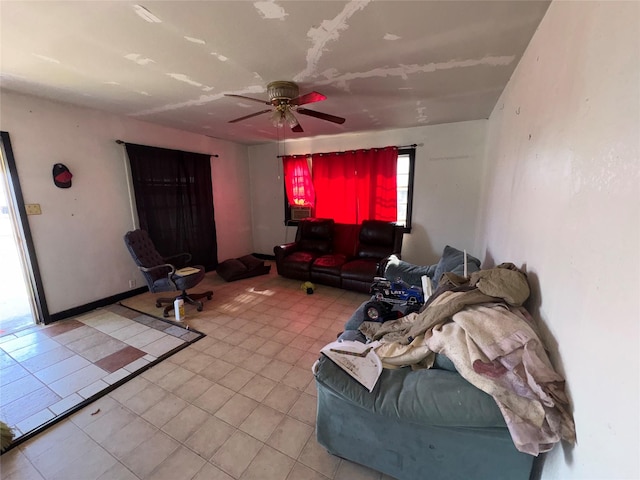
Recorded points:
(238,404)
(46,370)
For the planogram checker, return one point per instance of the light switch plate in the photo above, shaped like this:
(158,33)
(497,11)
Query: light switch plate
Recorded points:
(33,209)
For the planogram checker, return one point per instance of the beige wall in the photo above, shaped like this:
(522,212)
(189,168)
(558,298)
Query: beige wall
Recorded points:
(446,191)
(78,237)
(562,200)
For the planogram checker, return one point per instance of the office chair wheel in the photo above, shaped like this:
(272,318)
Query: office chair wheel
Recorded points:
(209,297)
(199,308)
(158,304)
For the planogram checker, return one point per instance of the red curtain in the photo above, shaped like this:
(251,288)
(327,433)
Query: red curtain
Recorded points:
(357,185)
(297,181)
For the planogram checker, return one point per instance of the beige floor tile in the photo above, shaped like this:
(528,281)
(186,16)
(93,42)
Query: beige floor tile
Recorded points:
(214,398)
(109,424)
(217,369)
(289,355)
(164,410)
(192,388)
(182,463)
(144,338)
(276,370)
(317,458)
(162,345)
(129,389)
(14,465)
(290,436)
(236,379)
(175,378)
(298,378)
(129,437)
(145,399)
(219,350)
(302,472)
(269,464)
(262,422)
(258,388)
(211,435)
(91,462)
(237,453)
(143,459)
(118,472)
(256,362)
(352,471)
(282,398)
(236,410)
(269,348)
(211,472)
(159,371)
(304,409)
(198,361)
(186,422)
(93,412)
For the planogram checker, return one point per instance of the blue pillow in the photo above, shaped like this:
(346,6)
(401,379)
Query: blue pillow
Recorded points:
(452,260)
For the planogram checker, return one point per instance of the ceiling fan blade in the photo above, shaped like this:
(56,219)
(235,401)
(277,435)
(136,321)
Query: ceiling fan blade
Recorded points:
(249,116)
(321,116)
(248,98)
(308,98)
(297,128)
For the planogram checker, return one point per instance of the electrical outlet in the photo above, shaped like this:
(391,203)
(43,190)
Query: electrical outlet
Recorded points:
(33,209)
(132,283)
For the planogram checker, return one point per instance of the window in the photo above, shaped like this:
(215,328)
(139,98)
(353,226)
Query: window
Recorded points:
(404,189)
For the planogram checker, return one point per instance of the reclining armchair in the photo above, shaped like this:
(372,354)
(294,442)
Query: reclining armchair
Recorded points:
(162,273)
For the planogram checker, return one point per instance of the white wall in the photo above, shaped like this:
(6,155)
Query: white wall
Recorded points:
(563,201)
(78,237)
(446,189)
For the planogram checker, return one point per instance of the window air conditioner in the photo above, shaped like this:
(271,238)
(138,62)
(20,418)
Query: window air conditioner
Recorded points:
(299,213)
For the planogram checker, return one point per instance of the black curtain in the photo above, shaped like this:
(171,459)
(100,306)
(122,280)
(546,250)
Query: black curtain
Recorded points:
(174,199)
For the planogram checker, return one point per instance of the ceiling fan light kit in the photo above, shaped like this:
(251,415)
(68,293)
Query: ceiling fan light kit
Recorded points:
(285,98)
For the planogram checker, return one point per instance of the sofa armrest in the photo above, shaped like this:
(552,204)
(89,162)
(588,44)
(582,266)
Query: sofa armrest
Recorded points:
(283,250)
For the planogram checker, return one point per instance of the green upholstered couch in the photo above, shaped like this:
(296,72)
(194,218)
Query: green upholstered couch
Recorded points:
(416,424)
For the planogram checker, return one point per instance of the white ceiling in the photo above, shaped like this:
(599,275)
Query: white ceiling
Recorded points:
(382,64)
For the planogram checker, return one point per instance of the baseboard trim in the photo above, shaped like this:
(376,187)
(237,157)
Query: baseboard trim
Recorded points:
(263,256)
(72,312)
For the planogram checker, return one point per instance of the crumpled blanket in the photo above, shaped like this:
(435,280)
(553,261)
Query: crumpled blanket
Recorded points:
(493,343)
(495,349)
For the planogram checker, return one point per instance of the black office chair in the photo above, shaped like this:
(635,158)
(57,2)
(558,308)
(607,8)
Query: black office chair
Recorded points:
(160,272)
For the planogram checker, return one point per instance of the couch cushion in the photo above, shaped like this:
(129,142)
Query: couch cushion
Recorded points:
(452,260)
(376,239)
(425,397)
(315,235)
(299,261)
(363,269)
(330,264)
(408,272)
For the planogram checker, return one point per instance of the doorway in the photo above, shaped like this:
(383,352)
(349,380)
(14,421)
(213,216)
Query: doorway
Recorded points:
(22,304)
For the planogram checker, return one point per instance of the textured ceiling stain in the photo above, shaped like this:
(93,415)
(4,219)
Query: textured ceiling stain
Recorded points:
(391,37)
(222,58)
(183,78)
(329,30)
(138,58)
(145,14)
(45,58)
(270,10)
(202,100)
(404,71)
(194,40)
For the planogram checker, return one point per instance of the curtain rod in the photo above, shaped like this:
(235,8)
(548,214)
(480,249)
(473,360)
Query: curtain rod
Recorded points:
(413,145)
(120,142)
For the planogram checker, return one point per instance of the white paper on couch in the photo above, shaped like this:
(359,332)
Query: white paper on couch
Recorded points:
(357,359)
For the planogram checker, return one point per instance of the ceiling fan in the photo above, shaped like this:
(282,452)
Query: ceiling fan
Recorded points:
(285,99)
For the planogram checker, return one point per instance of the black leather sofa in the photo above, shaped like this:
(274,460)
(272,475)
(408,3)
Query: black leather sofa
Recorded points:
(339,255)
